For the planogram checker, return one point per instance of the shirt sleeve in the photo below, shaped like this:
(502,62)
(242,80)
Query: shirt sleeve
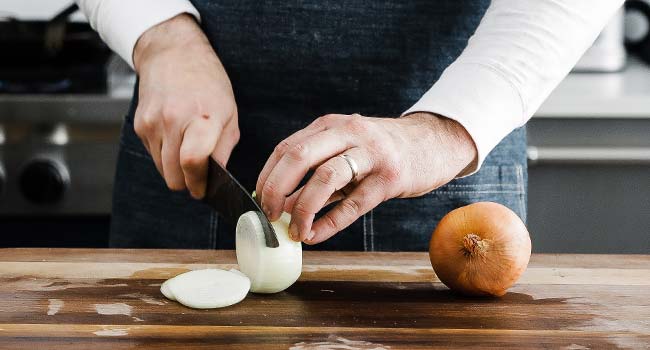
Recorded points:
(519,53)
(120,23)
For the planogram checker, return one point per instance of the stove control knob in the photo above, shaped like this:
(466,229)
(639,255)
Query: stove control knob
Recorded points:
(44,181)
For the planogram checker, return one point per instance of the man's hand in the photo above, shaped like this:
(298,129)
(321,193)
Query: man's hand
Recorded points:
(186,110)
(405,157)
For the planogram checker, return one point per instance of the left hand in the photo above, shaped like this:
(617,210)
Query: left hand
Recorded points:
(402,157)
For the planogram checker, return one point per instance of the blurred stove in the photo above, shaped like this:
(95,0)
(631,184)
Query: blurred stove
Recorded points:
(58,151)
(57,161)
(62,98)
(51,55)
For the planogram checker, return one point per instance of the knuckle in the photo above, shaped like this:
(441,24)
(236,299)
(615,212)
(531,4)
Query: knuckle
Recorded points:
(331,221)
(139,129)
(190,161)
(236,135)
(326,174)
(376,145)
(142,124)
(357,126)
(175,185)
(326,119)
(196,193)
(298,152)
(300,208)
(172,113)
(233,111)
(269,190)
(171,109)
(282,147)
(351,207)
(319,123)
(391,173)
(168,120)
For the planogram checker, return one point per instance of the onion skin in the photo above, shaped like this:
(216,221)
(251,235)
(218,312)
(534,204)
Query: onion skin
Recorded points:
(480,249)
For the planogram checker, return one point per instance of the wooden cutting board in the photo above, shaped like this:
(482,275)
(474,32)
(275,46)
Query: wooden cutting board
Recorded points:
(110,299)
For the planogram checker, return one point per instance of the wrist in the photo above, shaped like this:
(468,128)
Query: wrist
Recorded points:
(459,147)
(179,32)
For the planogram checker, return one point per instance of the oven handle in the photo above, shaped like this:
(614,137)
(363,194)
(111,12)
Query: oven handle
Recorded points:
(588,155)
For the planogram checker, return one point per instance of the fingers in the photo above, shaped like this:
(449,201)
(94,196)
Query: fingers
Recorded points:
(226,142)
(171,166)
(199,141)
(281,149)
(181,155)
(367,195)
(335,197)
(328,179)
(155,149)
(145,127)
(294,165)
(320,124)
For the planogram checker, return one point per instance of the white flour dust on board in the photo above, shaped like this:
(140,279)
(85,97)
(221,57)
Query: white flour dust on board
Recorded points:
(114,309)
(339,343)
(145,298)
(54,307)
(113,332)
(56,284)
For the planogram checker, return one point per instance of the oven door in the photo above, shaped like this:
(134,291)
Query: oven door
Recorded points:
(589,185)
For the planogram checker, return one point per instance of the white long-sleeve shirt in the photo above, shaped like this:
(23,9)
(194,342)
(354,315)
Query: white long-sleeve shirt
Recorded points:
(519,53)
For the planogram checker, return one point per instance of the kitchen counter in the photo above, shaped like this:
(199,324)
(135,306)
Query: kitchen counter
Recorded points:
(110,299)
(624,94)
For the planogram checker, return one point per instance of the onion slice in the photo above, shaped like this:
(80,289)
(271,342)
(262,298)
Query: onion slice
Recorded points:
(207,289)
(270,270)
(164,289)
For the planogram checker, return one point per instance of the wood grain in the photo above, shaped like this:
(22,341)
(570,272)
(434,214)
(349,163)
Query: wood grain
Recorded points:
(110,299)
(180,256)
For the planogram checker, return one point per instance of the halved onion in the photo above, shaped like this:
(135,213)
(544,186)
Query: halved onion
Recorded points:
(263,269)
(270,270)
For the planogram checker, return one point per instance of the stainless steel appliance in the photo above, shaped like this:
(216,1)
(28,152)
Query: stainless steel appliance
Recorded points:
(58,153)
(57,161)
(589,173)
(62,95)
(607,54)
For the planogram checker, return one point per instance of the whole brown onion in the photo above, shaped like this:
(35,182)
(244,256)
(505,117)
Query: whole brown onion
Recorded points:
(480,249)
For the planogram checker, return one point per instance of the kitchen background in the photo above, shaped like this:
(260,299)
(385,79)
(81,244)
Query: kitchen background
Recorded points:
(63,96)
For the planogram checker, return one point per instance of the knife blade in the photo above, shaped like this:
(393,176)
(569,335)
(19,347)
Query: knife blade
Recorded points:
(230,199)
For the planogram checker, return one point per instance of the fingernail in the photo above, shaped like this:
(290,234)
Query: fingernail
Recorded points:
(311,235)
(293,232)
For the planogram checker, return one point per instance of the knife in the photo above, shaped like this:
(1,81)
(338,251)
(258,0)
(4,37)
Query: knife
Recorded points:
(230,199)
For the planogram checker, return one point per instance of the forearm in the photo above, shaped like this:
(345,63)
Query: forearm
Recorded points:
(520,52)
(180,32)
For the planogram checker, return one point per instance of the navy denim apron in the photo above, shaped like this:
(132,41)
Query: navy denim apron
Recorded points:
(293,61)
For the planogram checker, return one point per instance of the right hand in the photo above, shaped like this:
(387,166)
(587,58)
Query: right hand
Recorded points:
(186,111)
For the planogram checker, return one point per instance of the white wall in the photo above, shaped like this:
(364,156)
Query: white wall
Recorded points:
(35,9)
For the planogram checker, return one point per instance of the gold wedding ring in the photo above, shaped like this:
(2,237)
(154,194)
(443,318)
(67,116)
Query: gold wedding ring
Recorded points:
(353,166)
